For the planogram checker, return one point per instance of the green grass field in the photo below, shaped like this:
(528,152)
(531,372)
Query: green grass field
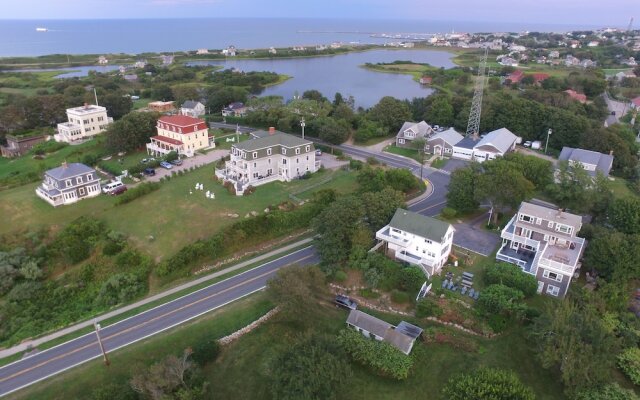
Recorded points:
(171,215)
(401,151)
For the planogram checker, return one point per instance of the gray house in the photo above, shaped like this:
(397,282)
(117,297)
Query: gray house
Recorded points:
(591,161)
(402,337)
(192,108)
(68,184)
(442,143)
(411,131)
(542,240)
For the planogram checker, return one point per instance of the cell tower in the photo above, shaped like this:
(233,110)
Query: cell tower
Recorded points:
(473,126)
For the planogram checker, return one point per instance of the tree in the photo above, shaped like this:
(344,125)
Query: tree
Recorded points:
(487,384)
(296,291)
(131,132)
(460,195)
(390,113)
(498,299)
(614,255)
(162,92)
(570,336)
(314,95)
(315,368)
(571,188)
(379,207)
(511,275)
(629,363)
(330,130)
(440,111)
(336,227)
(220,97)
(502,186)
(611,391)
(118,105)
(164,378)
(537,170)
(624,214)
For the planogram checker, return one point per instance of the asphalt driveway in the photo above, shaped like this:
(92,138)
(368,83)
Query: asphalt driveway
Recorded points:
(472,235)
(454,164)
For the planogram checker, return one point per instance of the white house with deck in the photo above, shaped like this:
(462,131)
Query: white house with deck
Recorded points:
(83,123)
(417,239)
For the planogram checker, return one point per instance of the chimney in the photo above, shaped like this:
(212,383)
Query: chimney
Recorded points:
(64,164)
(272,130)
(86,105)
(610,152)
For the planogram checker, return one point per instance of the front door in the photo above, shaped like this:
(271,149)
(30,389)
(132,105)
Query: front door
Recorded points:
(437,150)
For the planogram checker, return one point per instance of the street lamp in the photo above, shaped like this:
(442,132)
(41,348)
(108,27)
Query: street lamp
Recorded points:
(104,353)
(549,132)
(303,124)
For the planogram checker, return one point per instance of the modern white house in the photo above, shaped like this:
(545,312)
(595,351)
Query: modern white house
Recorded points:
(494,144)
(591,161)
(267,157)
(83,123)
(68,184)
(418,240)
(402,337)
(411,131)
(542,240)
(180,133)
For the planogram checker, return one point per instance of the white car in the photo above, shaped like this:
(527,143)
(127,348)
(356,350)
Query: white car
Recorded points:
(110,187)
(527,144)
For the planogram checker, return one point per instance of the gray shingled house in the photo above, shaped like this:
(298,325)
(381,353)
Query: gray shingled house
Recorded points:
(402,337)
(68,184)
(591,161)
(411,131)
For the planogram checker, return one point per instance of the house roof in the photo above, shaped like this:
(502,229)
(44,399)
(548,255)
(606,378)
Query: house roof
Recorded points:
(467,143)
(502,139)
(539,77)
(419,128)
(603,162)
(551,214)
(180,120)
(515,76)
(235,106)
(69,170)
(636,101)
(190,104)
(581,97)
(264,139)
(380,328)
(450,136)
(420,225)
(167,140)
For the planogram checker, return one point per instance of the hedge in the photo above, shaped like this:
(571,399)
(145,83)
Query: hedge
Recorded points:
(629,363)
(138,191)
(511,275)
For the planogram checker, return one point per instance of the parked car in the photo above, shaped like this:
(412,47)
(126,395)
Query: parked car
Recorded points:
(166,165)
(346,302)
(118,190)
(149,171)
(177,161)
(527,144)
(318,152)
(110,187)
(536,145)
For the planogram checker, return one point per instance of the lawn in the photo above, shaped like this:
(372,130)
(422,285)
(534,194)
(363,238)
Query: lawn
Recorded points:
(157,222)
(401,151)
(78,382)
(222,138)
(435,364)
(620,188)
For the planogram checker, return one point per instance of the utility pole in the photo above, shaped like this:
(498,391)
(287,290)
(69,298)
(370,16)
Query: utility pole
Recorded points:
(303,124)
(104,353)
(95,94)
(549,132)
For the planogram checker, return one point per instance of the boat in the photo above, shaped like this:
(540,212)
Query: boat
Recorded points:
(41,29)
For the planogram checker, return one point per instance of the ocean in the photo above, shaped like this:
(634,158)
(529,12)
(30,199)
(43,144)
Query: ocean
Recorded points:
(134,36)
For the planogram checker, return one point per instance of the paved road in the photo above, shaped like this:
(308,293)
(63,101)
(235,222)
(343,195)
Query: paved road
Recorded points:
(618,108)
(70,354)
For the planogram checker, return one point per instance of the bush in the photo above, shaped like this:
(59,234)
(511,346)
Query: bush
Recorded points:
(206,350)
(120,288)
(112,247)
(77,240)
(49,146)
(511,275)
(496,299)
(629,363)
(107,168)
(340,276)
(230,188)
(372,161)
(448,213)
(381,356)
(249,190)
(427,308)
(607,392)
(487,384)
(355,165)
(138,191)
(400,297)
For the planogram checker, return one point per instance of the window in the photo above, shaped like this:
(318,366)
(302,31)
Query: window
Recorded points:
(550,224)
(447,150)
(401,141)
(525,218)
(255,154)
(89,177)
(284,151)
(81,190)
(269,161)
(427,241)
(269,171)
(307,158)
(538,221)
(553,290)
(79,180)
(284,161)
(298,150)
(67,182)
(268,152)
(552,275)
(563,228)
(307,148)
(297,161)
(254,165)
(244,155)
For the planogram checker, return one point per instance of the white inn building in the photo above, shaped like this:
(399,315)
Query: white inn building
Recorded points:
(68,184)
(83,123)
(417,239)
(543,241)
(267,157)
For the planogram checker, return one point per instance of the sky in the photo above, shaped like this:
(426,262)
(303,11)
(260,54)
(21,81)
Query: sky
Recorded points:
(573,12)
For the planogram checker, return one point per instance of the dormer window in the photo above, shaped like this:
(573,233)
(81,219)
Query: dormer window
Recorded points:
(67,182)
(525,218)
(307,148)
(79,180)
(269,152)
(284,151)
(298,150)
(255,154)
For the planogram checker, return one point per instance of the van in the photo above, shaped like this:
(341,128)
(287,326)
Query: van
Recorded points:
(110,187)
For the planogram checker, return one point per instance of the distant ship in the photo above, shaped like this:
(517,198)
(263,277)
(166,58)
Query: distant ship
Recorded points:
(41,29)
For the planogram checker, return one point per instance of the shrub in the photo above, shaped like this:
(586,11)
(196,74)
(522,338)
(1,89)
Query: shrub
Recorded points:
(120,288)
(230,188)
(48,147)
(372,161)
(511,275)
(355,164)
(400,297)
(112,247)
(487,384)
(607,392)
(381,356)
(428,308)
(629,363)
(138,191)
(499,298)
(206,350)
(249,190)
(340,276)
(76,241)
(448,213)
(109,169)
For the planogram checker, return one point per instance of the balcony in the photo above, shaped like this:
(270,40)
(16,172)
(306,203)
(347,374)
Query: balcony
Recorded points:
(524,260)
(509,233)
(388,236)
(408,257)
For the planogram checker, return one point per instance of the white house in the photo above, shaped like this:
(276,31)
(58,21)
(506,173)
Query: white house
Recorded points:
(494,144)
(411,131)
(83,123)
(417,239)
(68,184)
(269,156)
(192,108)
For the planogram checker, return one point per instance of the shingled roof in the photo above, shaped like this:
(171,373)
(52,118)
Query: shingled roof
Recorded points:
(420,225)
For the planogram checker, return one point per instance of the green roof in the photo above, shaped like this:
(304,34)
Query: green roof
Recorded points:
(420,225)
(276,139)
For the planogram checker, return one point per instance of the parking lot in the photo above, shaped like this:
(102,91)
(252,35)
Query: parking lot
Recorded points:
(189,162)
